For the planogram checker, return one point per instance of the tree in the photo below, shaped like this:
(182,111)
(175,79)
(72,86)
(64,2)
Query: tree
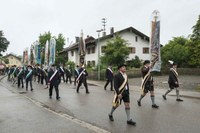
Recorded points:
(60,42)
(136,62)
(177,51)
(116,51)
(3,43)
(194,45)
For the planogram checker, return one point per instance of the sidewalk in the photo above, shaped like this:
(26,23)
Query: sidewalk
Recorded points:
(183,93)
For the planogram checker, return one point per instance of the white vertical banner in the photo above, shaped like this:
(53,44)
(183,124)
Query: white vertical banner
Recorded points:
(155,57)
(46,57)
(52,48)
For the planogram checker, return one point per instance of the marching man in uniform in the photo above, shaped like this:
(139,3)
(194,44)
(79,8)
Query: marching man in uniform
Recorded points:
(147,84)
(54,80)
(173,82)
(82,78)
(20,77)
(76,73)
(109,78)
(121,93)
(28,78)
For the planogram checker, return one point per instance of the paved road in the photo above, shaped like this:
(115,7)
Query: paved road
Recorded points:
(89,113)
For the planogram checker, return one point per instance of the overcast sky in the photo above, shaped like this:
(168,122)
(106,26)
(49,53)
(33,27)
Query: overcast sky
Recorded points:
(22,21)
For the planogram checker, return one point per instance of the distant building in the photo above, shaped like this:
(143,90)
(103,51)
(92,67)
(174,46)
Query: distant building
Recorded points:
(137,42)
(13,60)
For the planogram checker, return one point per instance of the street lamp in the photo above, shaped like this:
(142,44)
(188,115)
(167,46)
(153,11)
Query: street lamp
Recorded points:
(98,46)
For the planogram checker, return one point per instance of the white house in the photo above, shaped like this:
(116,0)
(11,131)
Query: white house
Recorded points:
(137,42)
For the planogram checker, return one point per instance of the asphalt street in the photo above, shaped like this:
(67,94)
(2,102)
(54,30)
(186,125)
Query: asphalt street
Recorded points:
(33,112)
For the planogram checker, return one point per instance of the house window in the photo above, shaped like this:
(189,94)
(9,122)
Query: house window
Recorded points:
(145,50)
(136,38)
(88,50)
(93,49)
(103,48)
(72,53)
(93,63)
(132,50)
(11,57)
(88,63)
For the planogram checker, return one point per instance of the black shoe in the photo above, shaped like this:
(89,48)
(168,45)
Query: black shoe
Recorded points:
(179,100)
(58,98)
(87,92)
(22,86)
(111,117)
(31,89)
(104,88)
(139,103)
(164,97)
(50,97)
(111,90)
(131,122)
(155,106)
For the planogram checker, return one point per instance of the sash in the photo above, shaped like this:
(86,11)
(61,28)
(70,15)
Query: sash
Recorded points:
(110,70)
(9,71)
(80,75)
(174,72)
(29,74)
(61,69)
(77,71)
(44,72)
(117,101)
(14,71)
(144,81)
(53,75)
(19,72)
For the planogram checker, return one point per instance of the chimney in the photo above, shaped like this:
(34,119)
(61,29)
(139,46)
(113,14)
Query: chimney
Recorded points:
(77,39)
(112,30)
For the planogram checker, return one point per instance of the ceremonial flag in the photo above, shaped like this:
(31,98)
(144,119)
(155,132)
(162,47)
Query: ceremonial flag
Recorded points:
(32,55)
(81,44)
(46,57)
(25,56)
(52,54)
(155,42)
(37,53)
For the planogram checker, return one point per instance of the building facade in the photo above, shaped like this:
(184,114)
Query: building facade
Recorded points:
(94,48)
(13,60)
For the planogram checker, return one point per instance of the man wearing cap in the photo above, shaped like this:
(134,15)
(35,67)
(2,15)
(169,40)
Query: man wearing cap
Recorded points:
(147,84)
(28,77)
(109,78)
(173,82)
(82,78)
(121,93)
(53,80)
